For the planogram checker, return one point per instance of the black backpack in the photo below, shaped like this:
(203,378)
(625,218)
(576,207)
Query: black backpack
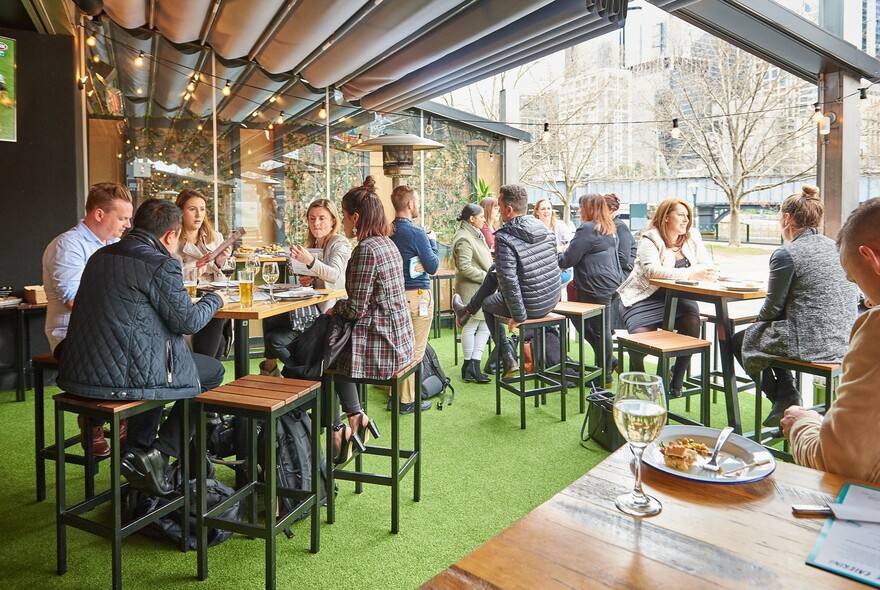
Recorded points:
(139,503)
(434,380)
(293,459)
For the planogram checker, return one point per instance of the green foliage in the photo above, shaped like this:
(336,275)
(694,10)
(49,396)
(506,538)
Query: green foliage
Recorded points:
(481,190)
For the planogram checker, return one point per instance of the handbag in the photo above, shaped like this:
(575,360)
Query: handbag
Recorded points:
(338,338)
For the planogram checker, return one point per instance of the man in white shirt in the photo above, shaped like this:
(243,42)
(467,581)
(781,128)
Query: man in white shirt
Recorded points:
(108,215)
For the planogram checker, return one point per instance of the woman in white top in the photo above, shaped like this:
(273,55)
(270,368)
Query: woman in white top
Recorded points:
(198,238)
(279,332)
(668,249)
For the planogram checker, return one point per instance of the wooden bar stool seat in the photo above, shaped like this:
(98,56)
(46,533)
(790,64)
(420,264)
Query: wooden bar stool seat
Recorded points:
(258,397)
(544,379)
(667,346)
(74,516)
(402,460)
(578,313)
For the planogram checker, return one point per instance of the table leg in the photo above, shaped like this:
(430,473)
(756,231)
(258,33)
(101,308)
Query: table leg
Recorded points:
(242,348)
(21,358)
(724,327)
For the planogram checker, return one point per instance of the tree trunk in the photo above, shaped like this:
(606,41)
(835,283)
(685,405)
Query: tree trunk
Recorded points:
(734,239)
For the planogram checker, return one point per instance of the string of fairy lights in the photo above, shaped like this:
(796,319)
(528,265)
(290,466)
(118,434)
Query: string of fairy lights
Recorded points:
(819,116)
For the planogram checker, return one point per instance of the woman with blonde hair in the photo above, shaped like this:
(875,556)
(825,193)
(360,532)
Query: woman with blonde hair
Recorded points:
(328,272)
(491,213)
(670,248)
(547,214)
(809,309)
(597,273)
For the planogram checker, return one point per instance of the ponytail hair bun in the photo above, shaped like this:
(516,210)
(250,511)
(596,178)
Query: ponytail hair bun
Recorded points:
(370,184)
(810,191)
(469,210)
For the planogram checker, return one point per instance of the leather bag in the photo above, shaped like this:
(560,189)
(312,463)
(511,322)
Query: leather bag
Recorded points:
(338,339)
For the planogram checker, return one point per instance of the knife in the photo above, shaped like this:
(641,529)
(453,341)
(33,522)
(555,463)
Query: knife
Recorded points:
(837,511)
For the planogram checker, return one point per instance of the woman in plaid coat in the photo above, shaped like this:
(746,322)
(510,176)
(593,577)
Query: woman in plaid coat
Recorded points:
(382,339)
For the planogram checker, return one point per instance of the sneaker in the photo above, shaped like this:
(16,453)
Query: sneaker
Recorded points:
(410,408)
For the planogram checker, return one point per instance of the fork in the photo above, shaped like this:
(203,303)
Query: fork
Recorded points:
(712,463)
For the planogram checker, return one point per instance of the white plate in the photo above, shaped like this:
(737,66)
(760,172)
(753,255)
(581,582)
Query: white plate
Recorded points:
(740,287)
(222,284)
(278,287)
(735,453)
(301,293)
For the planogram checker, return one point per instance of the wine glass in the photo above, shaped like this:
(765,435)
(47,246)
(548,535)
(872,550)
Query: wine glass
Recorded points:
(270,276)
(640,414)
(228,269)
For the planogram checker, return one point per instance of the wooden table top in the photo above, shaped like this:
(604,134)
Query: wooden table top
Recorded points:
(709,288)
(263,309)
(707,536)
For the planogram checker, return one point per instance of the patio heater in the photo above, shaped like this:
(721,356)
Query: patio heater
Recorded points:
(397,153)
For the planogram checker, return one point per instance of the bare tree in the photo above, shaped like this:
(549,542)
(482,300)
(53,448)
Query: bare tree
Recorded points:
(740,118)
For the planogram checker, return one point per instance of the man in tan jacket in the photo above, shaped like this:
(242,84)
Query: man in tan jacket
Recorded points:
(844,441)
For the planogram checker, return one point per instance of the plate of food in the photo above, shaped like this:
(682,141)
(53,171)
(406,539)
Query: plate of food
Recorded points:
(741,287)
(681,450)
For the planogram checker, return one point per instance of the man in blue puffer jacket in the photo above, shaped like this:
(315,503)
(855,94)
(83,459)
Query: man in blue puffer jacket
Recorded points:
(526,279)
(125,339)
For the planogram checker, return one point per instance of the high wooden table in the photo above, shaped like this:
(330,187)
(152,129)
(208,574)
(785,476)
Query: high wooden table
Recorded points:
(22,342)
(242,317)
(707,536)
(717,295)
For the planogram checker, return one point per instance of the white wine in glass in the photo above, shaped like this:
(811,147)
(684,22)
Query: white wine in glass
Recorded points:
(270,276)
(640,414)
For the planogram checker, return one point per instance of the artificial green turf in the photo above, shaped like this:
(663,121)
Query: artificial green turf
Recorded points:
(480,474)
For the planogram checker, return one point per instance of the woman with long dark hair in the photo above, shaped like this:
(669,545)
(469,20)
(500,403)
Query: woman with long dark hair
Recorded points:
(382,340)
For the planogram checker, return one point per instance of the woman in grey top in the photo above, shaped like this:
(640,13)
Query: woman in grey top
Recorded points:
(810,306)
(322,232)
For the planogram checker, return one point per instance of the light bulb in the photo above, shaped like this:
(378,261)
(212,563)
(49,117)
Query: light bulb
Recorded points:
(825,124)
(545,136)
(273,99)
(255,113)
(817,113)
(96,58)
(191,86)
(280,118)
(675,133)
(322,113)
(199,126)
(347,145)
(360,138)
(429,128)
(91,41)
(491,156)
(139,60)
(863,99)
(271,126)
(187,96)
(139,90)
(227,90)
(196,77)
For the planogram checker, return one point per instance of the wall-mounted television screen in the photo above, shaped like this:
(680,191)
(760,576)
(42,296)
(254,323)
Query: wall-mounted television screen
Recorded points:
(7,89)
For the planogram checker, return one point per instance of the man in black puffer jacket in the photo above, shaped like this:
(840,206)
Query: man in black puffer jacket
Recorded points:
(125,339)
(525,282)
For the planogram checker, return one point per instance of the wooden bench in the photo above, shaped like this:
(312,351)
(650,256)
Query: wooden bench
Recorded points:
(544,379)
(113,412)
(402,460)
(667,346)
(258,397)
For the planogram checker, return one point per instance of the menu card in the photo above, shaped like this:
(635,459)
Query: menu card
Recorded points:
(298,268)
(850,548)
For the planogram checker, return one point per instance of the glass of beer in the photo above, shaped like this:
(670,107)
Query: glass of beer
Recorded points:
(191,281)
(246,287)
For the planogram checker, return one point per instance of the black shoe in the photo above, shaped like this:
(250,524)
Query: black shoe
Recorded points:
(410,408)
(478,375)
(389,407)
(674,392)
(779,407)
(147,470)
(462,315)
(466,371)
(508,364)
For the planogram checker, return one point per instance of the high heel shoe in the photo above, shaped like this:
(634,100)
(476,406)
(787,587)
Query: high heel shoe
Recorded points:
(346,445)
(364,427)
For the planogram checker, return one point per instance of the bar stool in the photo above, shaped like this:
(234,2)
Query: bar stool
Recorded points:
(738,317)
(767,436)
(579,313)
(544,381)
(43,452)
(667,346)
(113,412)
(258,397)
(412,458)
